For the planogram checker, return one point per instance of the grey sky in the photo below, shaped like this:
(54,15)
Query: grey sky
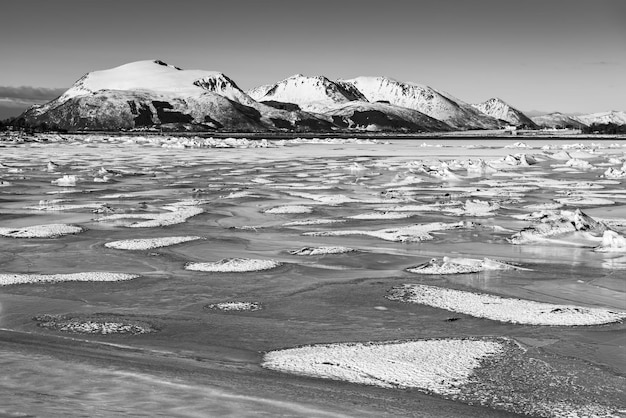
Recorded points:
(567,55)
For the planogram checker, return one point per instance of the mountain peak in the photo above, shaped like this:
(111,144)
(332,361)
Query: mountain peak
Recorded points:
(312,93)
(499,109)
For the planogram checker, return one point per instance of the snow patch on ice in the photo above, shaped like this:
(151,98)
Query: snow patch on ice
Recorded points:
(438,366)
(412,233)
(235,306)
(41,231)
(496,308)
(288,209)
(234,265)
(7,279)
(149,243)
(321,250)
(448,265)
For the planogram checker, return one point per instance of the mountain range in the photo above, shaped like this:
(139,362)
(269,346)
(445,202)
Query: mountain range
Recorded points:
(152,94)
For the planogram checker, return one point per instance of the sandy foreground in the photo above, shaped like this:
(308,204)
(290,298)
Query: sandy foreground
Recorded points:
(276,278)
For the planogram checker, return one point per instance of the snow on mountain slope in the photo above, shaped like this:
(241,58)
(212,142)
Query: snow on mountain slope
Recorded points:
(382,117)
(147,93)
(149,75)
(614,116)
(309,93)
(558,120)
(499,109)
(257,92)
(423,99)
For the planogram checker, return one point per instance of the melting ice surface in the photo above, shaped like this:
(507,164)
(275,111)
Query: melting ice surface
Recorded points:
(537,228)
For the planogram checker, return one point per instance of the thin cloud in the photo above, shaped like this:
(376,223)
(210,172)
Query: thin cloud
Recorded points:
(603,63)
(29,93)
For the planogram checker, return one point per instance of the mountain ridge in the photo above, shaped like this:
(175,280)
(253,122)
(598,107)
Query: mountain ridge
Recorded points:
(151,93)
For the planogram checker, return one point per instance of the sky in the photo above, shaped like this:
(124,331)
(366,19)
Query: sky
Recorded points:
(549,55)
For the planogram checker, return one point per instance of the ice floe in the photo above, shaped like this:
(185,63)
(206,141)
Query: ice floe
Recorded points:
(474,208)
(557,223)
(235,306)
(234,265)
(438,366)
(149,243)
(7,279)
(314,222)
(412,233)
(41,231)
(497,308)
(321,250)
(448,265)
(381,215)
(289,209)
(94,324)
(177,213)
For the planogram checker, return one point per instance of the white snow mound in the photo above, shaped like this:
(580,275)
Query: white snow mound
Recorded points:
(321,250)
(9,278)
(438,366)
(496,308)
(234,265)
(149,243)
(41,231)
(449,265)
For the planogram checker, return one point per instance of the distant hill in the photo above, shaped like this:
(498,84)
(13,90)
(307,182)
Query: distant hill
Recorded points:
(499,109)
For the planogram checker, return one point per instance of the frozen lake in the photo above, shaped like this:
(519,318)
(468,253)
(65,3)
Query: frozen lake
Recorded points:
(141,277)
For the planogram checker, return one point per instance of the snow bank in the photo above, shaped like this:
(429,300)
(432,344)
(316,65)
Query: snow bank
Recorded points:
(321,250)
(438,366)
(41,231)
(10,279)
(149,243)
(448,265)
(234,265)
(496,308)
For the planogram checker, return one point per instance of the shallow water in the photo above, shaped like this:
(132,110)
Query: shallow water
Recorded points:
(307,300)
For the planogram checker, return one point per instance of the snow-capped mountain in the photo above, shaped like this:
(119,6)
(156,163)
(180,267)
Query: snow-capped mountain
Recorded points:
(424,99)
(616,117)
(148,93)
(558,120)
(499,109)
(151,93)
(312,94)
